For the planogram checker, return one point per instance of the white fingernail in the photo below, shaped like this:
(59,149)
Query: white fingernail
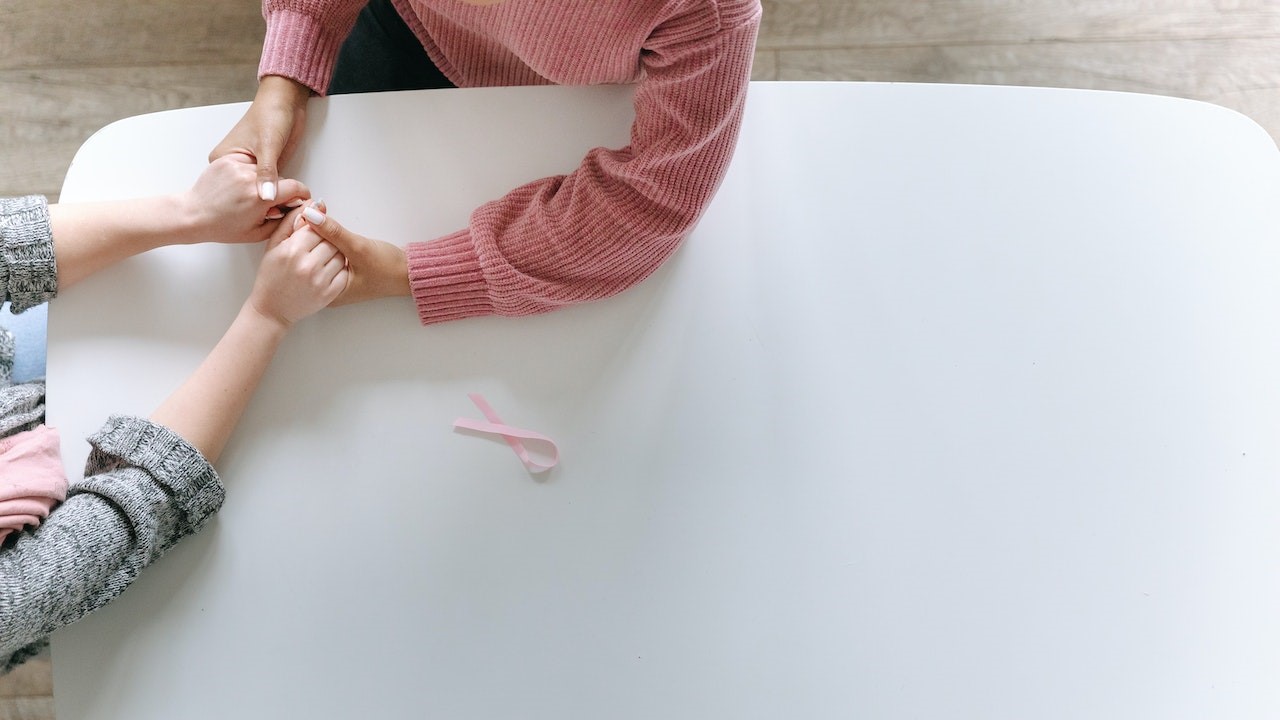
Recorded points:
(267,191)
(275,215)
(313,216)
(295,203)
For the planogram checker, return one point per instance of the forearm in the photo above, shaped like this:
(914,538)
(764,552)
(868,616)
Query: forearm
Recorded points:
(278,89)
(144,489)
(614,220)
(299,275)
(88,237)
(47,578)
(207,407)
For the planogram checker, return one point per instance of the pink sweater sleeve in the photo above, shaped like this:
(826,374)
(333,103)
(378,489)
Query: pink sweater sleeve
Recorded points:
(610,223)
(304,37)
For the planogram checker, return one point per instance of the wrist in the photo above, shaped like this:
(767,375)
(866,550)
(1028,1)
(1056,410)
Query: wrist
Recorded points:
(393,277)
(270,326)
(188,218)
(283,90)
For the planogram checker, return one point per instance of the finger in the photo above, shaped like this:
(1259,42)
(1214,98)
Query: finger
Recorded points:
(305,239)
(331,268)
(267,182)
(314,215)
(329,229)
(301,218)
(290,191)
(268,175)
(339,285)
(284,229)
(288,209)
(323,252)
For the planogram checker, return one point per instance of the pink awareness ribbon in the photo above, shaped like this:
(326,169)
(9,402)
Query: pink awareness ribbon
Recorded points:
(513,435)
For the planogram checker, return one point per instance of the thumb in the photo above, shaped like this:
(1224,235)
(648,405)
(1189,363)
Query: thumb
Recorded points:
(268,156)
(329,229)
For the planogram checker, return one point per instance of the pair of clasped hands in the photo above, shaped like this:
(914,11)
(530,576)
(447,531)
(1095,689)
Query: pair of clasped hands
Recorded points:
(300,273)
(264,139)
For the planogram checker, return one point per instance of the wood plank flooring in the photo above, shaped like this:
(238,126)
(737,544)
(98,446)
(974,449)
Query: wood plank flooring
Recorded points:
(64,75)
(1225,52)
(66,72)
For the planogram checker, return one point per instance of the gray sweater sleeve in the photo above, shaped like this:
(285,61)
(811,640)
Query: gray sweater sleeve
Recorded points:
(28,272)
(145,488)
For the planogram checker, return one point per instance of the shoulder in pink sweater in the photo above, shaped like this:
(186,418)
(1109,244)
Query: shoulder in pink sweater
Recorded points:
(611,222)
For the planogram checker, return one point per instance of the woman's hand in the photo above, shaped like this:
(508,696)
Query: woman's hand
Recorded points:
(224,206)
(377,269)
(300,274)
(269,131)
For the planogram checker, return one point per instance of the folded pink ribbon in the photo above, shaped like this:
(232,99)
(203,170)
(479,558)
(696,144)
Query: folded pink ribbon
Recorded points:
(32,481)
(513,435)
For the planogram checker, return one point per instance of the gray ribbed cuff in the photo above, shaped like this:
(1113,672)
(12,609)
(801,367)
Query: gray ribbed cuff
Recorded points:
(28,272)
(173,462)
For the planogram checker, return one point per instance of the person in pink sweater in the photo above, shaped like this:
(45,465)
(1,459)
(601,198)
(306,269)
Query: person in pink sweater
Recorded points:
(558,240)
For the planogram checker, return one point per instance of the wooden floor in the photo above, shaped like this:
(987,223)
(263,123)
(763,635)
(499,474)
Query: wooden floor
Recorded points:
(64,74)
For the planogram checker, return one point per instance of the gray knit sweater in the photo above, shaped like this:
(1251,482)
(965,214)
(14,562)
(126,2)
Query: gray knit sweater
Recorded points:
(144,488)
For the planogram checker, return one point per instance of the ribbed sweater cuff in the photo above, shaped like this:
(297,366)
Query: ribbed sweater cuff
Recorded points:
(166,456)
(446,279)
(299,47)
(28,271)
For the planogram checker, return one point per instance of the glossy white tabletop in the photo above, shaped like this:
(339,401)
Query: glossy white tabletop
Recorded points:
(961,402)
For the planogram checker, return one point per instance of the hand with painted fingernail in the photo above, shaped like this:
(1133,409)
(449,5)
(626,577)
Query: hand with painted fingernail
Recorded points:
(269,132)
(223,205)
(310,211)
(378,269)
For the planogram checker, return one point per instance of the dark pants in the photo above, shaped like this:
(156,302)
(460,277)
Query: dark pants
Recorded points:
(382,53)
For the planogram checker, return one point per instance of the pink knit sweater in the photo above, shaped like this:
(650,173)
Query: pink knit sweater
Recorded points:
(611,222)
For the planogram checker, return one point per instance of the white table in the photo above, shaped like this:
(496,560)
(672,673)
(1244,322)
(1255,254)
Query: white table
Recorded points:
(961,402)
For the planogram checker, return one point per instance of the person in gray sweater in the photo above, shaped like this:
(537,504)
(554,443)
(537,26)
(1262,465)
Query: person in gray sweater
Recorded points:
(148,482)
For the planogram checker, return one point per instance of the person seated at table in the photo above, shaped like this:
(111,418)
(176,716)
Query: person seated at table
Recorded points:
(555,241)
(67,549)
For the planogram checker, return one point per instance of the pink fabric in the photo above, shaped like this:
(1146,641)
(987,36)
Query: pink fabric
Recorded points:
(32,481)
(610,223)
